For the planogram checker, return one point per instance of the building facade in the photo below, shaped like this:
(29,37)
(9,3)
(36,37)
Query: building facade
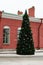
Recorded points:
(10,25)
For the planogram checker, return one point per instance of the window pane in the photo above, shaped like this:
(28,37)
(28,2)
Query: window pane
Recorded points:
(5,35)
(18,32)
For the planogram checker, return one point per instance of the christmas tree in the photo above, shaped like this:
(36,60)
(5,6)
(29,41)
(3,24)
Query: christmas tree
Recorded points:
(25,45)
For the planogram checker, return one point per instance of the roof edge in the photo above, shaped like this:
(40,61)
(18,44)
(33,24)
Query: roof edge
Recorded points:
(18,17)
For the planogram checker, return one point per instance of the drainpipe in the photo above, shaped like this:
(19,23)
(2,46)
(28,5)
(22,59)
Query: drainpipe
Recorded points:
(38,47)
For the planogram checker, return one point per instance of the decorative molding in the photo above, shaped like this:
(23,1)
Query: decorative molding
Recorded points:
(18,17)
(34,19)
(11,16)
(6,27)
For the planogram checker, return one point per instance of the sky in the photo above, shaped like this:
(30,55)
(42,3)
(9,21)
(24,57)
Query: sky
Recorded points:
(12,6)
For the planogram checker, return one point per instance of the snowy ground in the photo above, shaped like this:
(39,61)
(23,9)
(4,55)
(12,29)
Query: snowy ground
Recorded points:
(15,61)
(11,58)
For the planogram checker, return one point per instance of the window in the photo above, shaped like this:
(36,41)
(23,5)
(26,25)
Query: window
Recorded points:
(6,34)
(18,32)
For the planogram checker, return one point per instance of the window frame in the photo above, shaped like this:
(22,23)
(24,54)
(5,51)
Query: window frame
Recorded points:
(18,31)
(6,27)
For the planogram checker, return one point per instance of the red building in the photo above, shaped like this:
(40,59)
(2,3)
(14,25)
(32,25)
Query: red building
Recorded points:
(10,26)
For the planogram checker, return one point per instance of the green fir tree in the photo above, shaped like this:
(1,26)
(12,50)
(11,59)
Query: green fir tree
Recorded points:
(25,44)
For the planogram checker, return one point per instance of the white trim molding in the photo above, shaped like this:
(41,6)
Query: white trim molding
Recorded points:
(4,34)
(11,16)
(6,27)
(18,17)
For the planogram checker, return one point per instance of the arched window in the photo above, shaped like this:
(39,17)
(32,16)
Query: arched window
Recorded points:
(6,34)
(18,31)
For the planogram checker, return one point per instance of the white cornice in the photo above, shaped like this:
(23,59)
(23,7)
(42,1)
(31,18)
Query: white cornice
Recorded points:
(18,17)
(34,19)
(11,16)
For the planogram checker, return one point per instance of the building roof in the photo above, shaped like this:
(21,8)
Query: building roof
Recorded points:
(18,17)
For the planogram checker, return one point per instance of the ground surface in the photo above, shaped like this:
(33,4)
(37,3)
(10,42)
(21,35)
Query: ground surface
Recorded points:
(11,58)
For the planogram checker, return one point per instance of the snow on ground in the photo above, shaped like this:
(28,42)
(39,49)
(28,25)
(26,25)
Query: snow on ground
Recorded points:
(11,58)
(22,63)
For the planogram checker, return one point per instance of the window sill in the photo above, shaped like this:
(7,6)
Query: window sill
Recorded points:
(6,43)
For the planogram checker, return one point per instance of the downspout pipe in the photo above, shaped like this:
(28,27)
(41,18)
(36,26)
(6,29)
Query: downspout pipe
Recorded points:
(38,47)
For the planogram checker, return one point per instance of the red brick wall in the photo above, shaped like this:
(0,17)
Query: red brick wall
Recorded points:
(0,28)
(31,12)
(34,28)
(41,36)
(14,24)
(19,12)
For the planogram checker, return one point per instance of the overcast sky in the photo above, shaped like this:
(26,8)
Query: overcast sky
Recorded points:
(12,6)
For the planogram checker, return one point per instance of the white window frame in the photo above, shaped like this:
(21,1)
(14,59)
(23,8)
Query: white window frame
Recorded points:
(18,31)
(6,27)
